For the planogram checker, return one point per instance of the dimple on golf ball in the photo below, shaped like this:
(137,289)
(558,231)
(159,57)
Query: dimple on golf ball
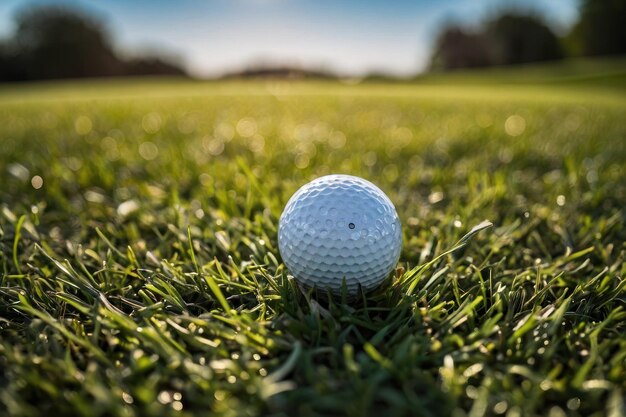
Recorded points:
(340,227)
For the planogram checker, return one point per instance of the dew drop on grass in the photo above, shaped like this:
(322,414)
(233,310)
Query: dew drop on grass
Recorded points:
(128,399)
(205,179)
(214,146)
(164,397)
(148,150)
(500,407)
(592,176)
(109,146)
(369,159)
(515,125)
(301,161)
(471,392)
(573,404)
(151,122)
(224,131)
(83,125)
(337,140)
(435,197)
(18,171)
(126,208)
(246,127)
(256,143)
(36,182)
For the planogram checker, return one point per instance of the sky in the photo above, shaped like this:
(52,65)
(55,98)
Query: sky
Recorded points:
(349,37)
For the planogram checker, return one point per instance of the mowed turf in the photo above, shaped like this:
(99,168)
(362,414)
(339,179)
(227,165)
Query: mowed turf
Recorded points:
(140,275)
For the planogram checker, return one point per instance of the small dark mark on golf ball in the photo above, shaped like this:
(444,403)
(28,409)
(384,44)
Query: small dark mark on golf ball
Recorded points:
(351,226)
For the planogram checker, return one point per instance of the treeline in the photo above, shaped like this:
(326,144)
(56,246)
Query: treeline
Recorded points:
(518,38)
(52,42)
(56,42)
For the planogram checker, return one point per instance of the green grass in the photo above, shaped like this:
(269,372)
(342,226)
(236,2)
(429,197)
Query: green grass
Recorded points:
(143,276)
(608,73)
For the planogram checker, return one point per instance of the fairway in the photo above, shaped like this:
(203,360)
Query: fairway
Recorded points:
(140,273)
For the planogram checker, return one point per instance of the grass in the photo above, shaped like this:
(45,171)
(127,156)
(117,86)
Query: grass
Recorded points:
(607,72)
(139,270)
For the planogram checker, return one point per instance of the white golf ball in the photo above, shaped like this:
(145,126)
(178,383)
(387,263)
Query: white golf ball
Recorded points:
(340,227)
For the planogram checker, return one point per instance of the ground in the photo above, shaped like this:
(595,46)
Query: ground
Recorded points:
(140,275)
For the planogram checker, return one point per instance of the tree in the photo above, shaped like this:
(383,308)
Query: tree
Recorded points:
(508,39)
(152,66)
(10,65)
(56,42)
(601,29)
(518,39)
(455,48)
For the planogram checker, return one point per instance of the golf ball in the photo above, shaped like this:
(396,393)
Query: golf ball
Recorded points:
(340,227)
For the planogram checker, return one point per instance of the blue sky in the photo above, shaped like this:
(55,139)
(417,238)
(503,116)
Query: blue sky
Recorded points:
(348,36)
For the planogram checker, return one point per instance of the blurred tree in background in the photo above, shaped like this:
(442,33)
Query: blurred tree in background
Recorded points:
(601,29)
(56,42)
(60,42)
(8,69)
(457,48)
(520,39)
(508,39)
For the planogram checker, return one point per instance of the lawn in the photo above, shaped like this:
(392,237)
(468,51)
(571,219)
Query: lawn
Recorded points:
(140,274)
